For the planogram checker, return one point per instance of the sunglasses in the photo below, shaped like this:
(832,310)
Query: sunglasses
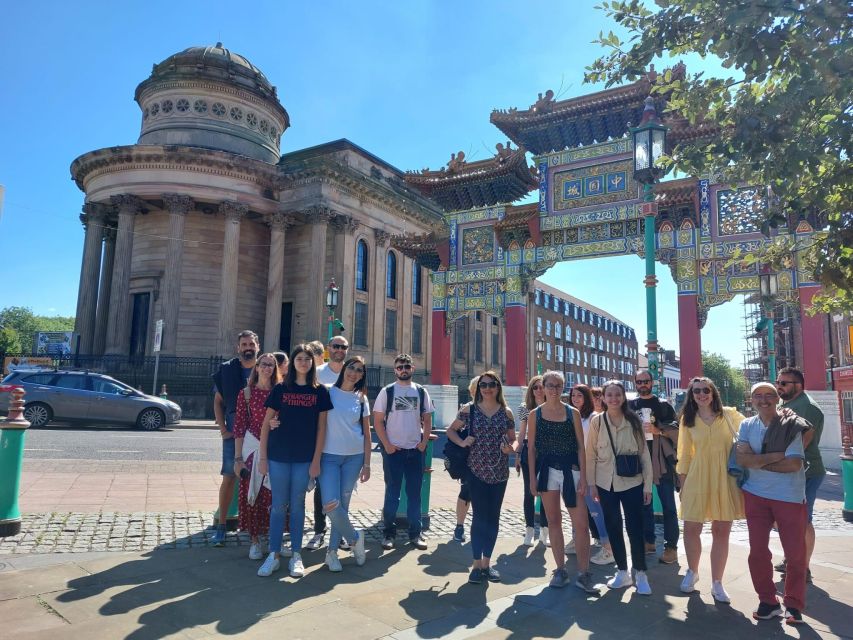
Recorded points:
(538,387)
(488,385)
(355,369)
(785,383)
(765,396)
(265,365)
(403,367)
(643,381)
(341,347)
(553,386)
(698,390)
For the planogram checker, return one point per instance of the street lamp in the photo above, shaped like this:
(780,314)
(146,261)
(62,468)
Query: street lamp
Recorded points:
(769,287)
(540,349)
(649,147)
(332,304)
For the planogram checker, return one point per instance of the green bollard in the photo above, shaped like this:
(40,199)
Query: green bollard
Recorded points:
(656,505)
(401,519)
(847,478)
(11,460)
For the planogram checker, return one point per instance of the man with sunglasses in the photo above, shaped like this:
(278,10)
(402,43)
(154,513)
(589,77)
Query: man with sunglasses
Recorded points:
(328,372)
(662,438)
(402,418)
(790,385)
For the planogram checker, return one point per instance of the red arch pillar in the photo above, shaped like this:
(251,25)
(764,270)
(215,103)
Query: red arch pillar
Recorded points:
(814,346)
(440,349)
(689,337)
(516,346)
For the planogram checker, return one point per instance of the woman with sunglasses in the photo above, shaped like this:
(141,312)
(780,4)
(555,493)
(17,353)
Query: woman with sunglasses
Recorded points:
(619,431)
(491,434)
(346,458)
(555,440)
(534,397)
(254,513)
(291,452)
(581,399)
(708,493)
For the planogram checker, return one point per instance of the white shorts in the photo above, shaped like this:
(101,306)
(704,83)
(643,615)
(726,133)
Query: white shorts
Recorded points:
(556,478)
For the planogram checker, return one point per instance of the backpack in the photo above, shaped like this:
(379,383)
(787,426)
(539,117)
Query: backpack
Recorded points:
(456,457)
(389,398)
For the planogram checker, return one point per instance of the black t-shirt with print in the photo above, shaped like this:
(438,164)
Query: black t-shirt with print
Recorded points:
(299,408)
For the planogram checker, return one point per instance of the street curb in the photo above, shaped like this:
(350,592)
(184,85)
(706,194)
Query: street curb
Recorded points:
(193,424)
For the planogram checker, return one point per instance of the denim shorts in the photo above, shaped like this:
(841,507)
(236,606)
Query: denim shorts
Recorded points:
(228,457)
(812,485)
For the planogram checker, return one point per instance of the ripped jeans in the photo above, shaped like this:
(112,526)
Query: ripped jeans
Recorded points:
(338,477)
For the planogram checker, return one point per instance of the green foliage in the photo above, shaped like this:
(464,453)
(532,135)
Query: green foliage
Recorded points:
(9,342)
(22,323)
(718,369)
(785,114)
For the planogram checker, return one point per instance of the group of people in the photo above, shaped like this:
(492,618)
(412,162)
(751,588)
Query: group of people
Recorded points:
(288,423)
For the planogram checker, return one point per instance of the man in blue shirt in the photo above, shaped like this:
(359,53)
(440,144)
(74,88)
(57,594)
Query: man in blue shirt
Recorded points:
(770,447)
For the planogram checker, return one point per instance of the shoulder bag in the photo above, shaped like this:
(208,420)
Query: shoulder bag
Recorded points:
(456,457)
(627,464)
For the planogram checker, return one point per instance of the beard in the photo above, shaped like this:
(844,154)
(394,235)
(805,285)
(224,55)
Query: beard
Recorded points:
(248,354)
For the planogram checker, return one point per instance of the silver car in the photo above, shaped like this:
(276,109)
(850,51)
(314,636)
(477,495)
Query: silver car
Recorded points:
(87,397)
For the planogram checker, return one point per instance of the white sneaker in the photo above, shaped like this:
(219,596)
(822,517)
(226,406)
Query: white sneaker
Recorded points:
(286,551)
(316,542)
(643,587)
(255,552)
(297,569)
(358,549)
(332,562)
(529,536)
(270,564)
(621,580)
(688,585)
(543,536)
(570,548)
(604,556)
(719,592)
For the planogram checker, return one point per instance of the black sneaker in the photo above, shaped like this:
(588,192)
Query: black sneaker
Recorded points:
(459,533)
(793,616)
(780,567)
(492,574)
(767,611)
(808,576)
(476,576)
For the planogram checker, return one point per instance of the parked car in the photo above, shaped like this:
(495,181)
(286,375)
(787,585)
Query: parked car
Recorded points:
(87,397)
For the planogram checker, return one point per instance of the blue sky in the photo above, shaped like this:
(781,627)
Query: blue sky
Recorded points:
(411,82)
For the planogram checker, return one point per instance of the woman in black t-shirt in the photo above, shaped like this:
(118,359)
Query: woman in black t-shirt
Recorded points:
(291,452)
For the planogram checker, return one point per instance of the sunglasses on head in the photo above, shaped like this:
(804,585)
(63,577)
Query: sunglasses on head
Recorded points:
(403,367)
(698,390)
(342,347)
(485,384)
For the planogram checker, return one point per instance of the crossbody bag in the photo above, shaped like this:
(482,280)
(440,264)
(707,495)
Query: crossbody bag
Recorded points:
(627,464)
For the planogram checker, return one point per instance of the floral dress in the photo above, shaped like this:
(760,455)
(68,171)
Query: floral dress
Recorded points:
(486,460)
(250,417)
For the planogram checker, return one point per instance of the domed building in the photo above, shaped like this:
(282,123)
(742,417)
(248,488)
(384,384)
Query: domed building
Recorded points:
(203,224)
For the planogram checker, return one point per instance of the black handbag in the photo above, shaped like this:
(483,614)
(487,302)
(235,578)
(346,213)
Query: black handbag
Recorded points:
(627,464)
(456,457)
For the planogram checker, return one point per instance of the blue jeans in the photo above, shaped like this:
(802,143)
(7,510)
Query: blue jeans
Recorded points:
(812,485)
(486,501)
(596,514)
(289,482)
(409,464)
(338,476)
(666,494)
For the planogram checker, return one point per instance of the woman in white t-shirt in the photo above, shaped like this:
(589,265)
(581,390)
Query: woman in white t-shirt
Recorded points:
(346,458)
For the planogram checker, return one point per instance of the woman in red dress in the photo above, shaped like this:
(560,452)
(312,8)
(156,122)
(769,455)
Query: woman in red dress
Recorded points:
(254,518)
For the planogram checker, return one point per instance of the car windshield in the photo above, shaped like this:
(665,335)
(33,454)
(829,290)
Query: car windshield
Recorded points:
(103,385)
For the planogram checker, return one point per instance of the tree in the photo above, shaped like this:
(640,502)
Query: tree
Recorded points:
(730,381)
(9,342)
(784,116)
(23,323)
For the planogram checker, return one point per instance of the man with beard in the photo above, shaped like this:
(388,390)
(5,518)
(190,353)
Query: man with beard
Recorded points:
(228,382)
(402,417)
(770,448)
(661,430)
(790,385)
(328,372)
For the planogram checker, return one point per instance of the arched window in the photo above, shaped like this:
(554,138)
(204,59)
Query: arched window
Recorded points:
(391,276)
(417,284)
(361,266)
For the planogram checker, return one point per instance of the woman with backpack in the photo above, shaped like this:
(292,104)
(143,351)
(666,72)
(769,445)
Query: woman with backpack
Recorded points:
(254,508)
(619,472)
(490,435)
(346,458)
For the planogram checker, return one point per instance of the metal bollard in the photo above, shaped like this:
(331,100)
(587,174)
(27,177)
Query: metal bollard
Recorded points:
(847,479)
(11,461)
(402,519)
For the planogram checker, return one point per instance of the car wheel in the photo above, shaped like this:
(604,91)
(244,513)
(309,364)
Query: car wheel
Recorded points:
(38,414)
(151,420)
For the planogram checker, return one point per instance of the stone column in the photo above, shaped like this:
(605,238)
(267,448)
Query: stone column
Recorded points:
(344,269)
(234,213)
(178,206)
(87,295)
(100,339)
(689,338)
(279,223)
(379,275)
(118,325)
(317,279)
(814,343)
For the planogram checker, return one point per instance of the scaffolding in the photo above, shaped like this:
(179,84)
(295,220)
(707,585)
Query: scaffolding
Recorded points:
(786,321)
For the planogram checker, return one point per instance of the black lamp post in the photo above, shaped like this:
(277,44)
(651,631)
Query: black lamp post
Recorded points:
(332,304)
(540,349)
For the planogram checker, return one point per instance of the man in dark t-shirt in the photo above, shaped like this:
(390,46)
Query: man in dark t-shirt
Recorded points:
(658,422)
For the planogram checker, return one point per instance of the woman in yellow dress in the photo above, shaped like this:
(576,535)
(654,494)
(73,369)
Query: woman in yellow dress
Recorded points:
(706,433)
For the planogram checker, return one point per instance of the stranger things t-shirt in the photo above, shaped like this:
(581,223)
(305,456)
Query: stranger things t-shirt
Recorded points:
(299,408)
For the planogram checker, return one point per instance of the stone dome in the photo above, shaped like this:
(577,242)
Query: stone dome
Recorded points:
(214,98)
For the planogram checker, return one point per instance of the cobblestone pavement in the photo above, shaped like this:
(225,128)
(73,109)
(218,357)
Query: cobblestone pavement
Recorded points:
(62,532)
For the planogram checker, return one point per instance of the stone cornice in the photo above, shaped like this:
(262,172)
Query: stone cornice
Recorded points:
(159,157)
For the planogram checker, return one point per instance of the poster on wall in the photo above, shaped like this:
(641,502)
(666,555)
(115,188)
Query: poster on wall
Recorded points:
(11,363)
(54,343)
